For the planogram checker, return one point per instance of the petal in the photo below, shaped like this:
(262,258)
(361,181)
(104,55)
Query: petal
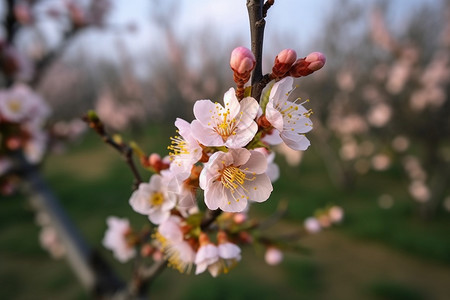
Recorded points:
(155,182)
(280,90)
(231,102)
(260,188)
(229,251)
(273,138)
(231,204)
(242,137)
(159,216)
(210,169)
(249,108)
(139,202)
(206,135)
(184,128)
(295,141)
(239,156)
(214,195)
(274,116)
(203,111)
(200,268)
(257,163)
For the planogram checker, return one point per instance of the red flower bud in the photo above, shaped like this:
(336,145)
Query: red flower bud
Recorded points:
(305,66)
(283,62)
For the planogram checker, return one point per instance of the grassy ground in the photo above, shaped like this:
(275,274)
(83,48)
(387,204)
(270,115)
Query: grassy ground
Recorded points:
(375,254)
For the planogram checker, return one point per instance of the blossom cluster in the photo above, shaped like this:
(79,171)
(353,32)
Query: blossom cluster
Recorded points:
(223,156)
(23,114)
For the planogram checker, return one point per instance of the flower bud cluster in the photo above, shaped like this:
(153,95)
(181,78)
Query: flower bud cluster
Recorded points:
(287,64)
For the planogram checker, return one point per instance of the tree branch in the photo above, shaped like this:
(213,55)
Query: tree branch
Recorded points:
(92,271)
(256,13)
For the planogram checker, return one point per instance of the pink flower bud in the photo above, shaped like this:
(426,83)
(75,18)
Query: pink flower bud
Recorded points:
(273,256)
(239,218)
(283,62)
(305,66)
(316,61)
(242,60)
(154,159)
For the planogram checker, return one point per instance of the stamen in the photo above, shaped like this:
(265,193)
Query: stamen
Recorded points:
(178,146)
(234,179)
(156,199)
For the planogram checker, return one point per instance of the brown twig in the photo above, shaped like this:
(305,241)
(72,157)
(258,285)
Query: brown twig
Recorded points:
(125,150)
(210,218)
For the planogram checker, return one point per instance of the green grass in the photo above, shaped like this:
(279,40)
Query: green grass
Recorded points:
(93,182)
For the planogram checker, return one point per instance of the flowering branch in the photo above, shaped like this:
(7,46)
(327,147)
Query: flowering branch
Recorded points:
(125,150)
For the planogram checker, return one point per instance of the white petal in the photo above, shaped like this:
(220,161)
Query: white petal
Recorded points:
(239,156)
(242,137)
(257,163)
(231,102)
(281,89)
(184,128)
(249,109)
(229,251)
(206,135)
(260,188)
(295,141)
(214,195)
(159,216)
(233,205)
(203,110)
(274,116)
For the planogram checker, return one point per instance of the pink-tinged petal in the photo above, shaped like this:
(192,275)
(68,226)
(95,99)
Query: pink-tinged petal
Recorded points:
(260,188)
(200,268)
(281,89)
(210,170)
(206,135)
(249,109)
(234,205)
(215,268)
(273,171)
(159,217)
(170,229)
(257,163)
(274,116)
(303,125)
(295,141)
(229,251)
(214,195)
(272,138)
(187,200)
(239,156)
(243,137)
(231,102)
(203,110)
(184,128)
(155,182)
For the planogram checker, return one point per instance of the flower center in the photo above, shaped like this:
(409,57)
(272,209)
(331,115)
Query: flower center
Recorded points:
(173,255)
(15,106)
(226,126)
(234,179)
(156,199)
